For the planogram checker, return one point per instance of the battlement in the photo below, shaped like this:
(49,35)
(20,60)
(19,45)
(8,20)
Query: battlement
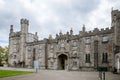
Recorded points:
(96,31)
(24,21)
(115,14)
(15,34)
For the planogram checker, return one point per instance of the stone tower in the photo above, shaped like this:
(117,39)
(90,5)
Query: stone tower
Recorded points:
(24,32)
(115,16)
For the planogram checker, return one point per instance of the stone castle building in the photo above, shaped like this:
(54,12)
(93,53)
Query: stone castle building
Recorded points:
(84,51)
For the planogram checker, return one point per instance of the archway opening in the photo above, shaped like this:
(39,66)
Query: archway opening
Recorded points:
(62,62)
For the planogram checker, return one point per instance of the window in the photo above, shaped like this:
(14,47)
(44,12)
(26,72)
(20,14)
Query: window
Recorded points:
(29,48)
(75,55)
(29,56)
(15,42)
(105,39)
(74,62)
(74,43)
(15,50)
(51,46)
(40,47)
(14,56)
(40,55)
(87,41)
(87,58)
(62,45)
(104,58)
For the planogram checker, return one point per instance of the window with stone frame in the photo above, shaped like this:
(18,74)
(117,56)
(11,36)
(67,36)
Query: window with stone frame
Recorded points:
(62,45)
(104,58)
(15,49)
(40,46)
(74,62)
(87,41)
(40,55)
(75,54)
(87,58)
(105,39)
(15,56)
(15,42)
(74,43)
(51,46)
(29,55)
(29,48)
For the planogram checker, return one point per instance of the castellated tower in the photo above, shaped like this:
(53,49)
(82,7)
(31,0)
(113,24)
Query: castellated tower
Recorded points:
(24,26)
(115,16)
(24,32)
(18,55)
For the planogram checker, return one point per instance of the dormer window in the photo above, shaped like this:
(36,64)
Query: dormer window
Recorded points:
(105,39)
(88,41)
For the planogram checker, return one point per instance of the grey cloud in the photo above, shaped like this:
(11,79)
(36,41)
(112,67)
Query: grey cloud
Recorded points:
(75,12)
(72,13)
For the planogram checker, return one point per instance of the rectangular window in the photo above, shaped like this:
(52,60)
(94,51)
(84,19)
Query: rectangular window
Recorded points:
(15,56)
(40,47)
(74,43)
(104,58)
(51,46)
(105,39)
(15,42)
(88,41)
(87,58)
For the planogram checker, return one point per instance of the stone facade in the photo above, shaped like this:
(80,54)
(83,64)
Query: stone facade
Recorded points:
(84,51)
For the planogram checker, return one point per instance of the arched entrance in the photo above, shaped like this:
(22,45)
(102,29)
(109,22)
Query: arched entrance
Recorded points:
(62,62)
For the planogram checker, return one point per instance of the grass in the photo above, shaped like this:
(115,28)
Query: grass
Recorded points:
(7,73)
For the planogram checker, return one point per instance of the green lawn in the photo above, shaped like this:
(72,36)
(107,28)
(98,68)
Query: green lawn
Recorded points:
(6,73)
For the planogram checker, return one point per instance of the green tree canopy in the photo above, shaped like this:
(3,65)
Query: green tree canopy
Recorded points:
(3,54)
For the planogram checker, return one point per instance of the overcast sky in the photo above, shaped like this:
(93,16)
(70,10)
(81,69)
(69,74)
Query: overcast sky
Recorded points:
(50,16)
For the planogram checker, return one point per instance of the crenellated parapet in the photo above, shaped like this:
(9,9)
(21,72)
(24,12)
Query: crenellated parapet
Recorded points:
(96,31)
(84,33)
(115,14)
(24,21)
(15,34)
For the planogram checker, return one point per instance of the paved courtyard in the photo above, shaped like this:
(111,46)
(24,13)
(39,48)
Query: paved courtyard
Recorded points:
(62,75)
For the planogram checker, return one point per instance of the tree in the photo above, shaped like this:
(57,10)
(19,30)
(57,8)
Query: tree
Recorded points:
(3,55)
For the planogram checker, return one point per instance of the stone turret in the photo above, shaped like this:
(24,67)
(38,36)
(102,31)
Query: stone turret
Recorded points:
(71,32)
(24,25)
(11,28)
(24,31)
(83,28)
(60,33)
(115,16)
(50,37)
